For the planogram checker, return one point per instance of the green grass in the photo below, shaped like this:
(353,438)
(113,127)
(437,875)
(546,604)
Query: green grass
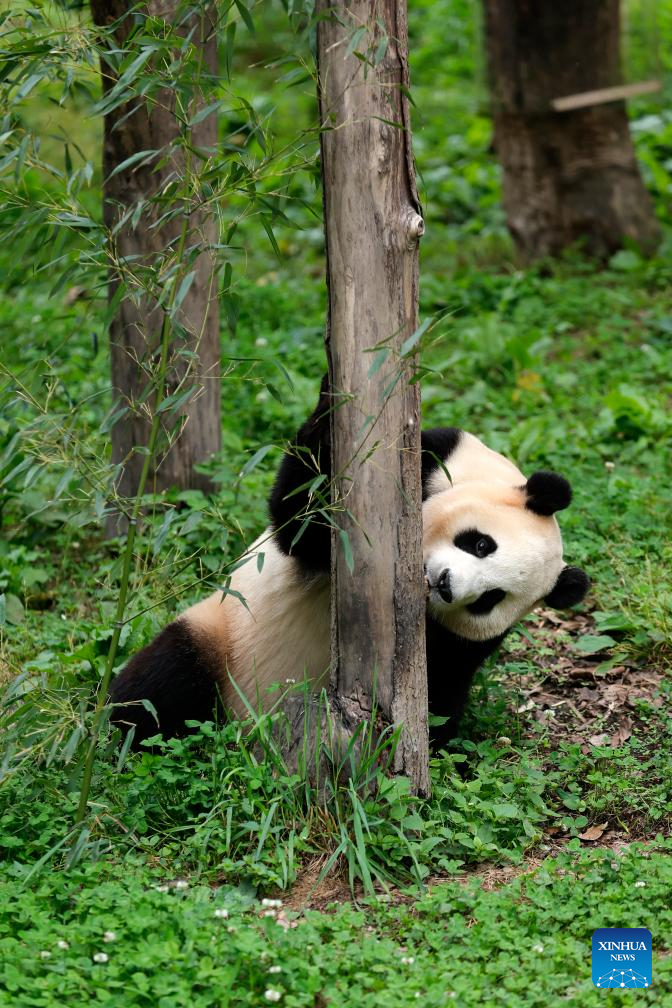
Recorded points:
(567,366)
(569,369)
(526,942)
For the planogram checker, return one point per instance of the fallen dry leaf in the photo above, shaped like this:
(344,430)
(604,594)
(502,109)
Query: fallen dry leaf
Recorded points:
(593,832)
(622,734)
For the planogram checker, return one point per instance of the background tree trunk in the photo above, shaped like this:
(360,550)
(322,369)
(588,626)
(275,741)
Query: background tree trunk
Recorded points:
(373,225)
(568,176)
(135,327)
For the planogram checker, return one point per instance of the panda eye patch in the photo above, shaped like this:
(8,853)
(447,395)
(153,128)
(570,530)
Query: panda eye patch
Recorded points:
(479,544)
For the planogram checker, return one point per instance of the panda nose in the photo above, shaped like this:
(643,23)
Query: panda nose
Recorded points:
(443,585)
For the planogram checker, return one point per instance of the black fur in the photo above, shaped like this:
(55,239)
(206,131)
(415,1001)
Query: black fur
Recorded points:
(486,602)
(569,589)
(178,678)
(438,444)
(471,538)
(308,457)
(451,664)
(451,660)
(547,492)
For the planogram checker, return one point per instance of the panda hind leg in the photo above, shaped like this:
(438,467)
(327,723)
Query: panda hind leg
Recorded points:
(176,676)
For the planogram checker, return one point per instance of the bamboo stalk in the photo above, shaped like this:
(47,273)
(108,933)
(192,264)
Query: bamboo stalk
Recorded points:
(103,689)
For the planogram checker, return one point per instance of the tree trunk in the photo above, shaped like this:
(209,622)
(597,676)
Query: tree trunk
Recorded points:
(373,225)
(567,176)
(139,250)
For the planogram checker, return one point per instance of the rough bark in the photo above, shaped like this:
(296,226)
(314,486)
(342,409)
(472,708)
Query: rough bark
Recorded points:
(138,247)
(373,226)
(567,176)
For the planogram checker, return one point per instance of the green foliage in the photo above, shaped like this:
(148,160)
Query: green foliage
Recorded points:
(149,938)
(565,367)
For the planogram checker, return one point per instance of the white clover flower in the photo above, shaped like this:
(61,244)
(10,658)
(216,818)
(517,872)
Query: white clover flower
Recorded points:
(100,957)
(261,341)
(162,888)
(639,885)
(181,884)
(271,903)
(275,969)
(109,936)
(222,913)
(231,930)
(45,954)
(538,948)
(290,682)
(408,960)
(62,944)
(269,913)
(272,995)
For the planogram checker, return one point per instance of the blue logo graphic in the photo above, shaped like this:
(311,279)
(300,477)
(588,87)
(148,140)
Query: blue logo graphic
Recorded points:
(622,957)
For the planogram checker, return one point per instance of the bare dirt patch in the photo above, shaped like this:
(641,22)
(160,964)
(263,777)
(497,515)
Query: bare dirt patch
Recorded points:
(309,892)
(582,698)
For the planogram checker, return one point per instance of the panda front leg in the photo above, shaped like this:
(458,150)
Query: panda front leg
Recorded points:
(301,493)
(452,663)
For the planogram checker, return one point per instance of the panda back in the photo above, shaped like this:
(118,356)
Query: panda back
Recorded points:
(280,632)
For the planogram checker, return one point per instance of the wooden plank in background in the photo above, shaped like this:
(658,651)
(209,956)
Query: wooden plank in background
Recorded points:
(604,95)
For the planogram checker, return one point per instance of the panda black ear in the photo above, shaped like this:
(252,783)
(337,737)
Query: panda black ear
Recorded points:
(570,588)
(547,493)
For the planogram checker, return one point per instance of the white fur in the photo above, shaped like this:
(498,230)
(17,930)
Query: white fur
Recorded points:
(282,633)
(525,565)
(284,630)
(473,460)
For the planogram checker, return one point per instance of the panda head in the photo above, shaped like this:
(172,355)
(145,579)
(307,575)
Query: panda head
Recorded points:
(492,552)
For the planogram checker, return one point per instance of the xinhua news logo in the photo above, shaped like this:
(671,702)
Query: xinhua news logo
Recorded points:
(622,957)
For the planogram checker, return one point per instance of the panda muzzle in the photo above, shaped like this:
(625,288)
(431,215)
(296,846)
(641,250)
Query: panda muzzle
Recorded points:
(443,586)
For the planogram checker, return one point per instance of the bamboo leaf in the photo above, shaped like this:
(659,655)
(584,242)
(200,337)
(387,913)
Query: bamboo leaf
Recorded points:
(177,399)
(409,344)
(254,461)
(347,550)
(205,112)
(355,39)
(378,361)
(271,237)
(381,49)
(245,15)
(183,289)
(29,84)
(304,526)
(133,159)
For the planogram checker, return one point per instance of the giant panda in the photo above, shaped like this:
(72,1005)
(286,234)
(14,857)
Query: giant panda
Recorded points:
(492,551)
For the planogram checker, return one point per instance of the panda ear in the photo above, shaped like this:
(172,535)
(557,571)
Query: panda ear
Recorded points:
(547,493)
(570,588)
